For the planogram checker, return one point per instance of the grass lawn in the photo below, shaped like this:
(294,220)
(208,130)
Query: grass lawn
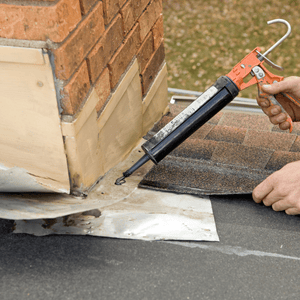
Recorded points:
(204,39)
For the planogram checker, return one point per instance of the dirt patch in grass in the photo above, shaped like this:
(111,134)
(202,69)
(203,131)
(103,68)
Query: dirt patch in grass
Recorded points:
(205,39)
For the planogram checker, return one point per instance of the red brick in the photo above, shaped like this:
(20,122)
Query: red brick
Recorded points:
(145,52)
(128,18)
(75,91)
(29,1)
(105,48)
(70,55)
(110,8)
(152,68)
(102,87)
(149,17)
(86,5)
(269,140)
(39,22)
(158,32)
(122,2)
(124,55)
(139,7)
(131,12)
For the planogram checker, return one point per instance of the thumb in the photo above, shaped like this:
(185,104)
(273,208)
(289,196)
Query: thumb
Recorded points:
(287,85)
(274,88)
(262,190)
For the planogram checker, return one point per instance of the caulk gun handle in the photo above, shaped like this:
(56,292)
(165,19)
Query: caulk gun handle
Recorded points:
(273,101)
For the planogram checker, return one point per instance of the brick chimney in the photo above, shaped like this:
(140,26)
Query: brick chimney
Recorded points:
(92,76)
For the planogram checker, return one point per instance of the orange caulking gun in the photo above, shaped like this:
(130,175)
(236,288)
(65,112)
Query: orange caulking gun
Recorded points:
(223,91)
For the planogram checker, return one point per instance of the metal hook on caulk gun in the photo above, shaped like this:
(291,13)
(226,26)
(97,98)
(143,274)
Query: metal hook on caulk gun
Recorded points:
(263,56)
(283,38)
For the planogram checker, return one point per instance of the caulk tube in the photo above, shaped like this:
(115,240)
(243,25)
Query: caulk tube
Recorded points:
(186,123)
(224,91)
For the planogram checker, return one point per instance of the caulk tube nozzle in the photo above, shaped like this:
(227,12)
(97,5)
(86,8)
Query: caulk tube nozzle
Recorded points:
(137,165)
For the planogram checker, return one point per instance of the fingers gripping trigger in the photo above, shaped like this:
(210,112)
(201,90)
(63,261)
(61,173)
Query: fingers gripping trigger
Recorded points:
(273,101)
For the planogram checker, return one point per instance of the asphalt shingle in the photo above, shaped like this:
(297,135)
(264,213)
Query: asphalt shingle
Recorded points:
(227,134)
(240,155)
(269,140)
(191,148)
(231,154)
(280,158)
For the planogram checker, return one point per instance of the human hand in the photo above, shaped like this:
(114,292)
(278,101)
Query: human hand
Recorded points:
(281,190)
(289,85)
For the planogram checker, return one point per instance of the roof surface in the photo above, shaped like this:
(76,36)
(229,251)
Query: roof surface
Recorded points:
(230,154)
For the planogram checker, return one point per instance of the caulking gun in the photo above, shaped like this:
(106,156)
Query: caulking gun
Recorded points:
(224,90)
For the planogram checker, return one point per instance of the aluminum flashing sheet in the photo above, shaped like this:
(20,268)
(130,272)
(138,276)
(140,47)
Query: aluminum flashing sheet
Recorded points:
(231,154)
(109,210)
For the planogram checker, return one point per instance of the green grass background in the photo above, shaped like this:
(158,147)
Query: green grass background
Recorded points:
(204,39)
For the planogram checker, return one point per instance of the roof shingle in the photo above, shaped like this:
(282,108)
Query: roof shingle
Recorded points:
(231,153)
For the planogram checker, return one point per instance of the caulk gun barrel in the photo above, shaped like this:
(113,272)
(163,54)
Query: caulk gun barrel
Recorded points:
(186,123)
(219,95)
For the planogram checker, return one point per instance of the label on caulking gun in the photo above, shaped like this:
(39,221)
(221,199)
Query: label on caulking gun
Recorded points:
(179,119)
